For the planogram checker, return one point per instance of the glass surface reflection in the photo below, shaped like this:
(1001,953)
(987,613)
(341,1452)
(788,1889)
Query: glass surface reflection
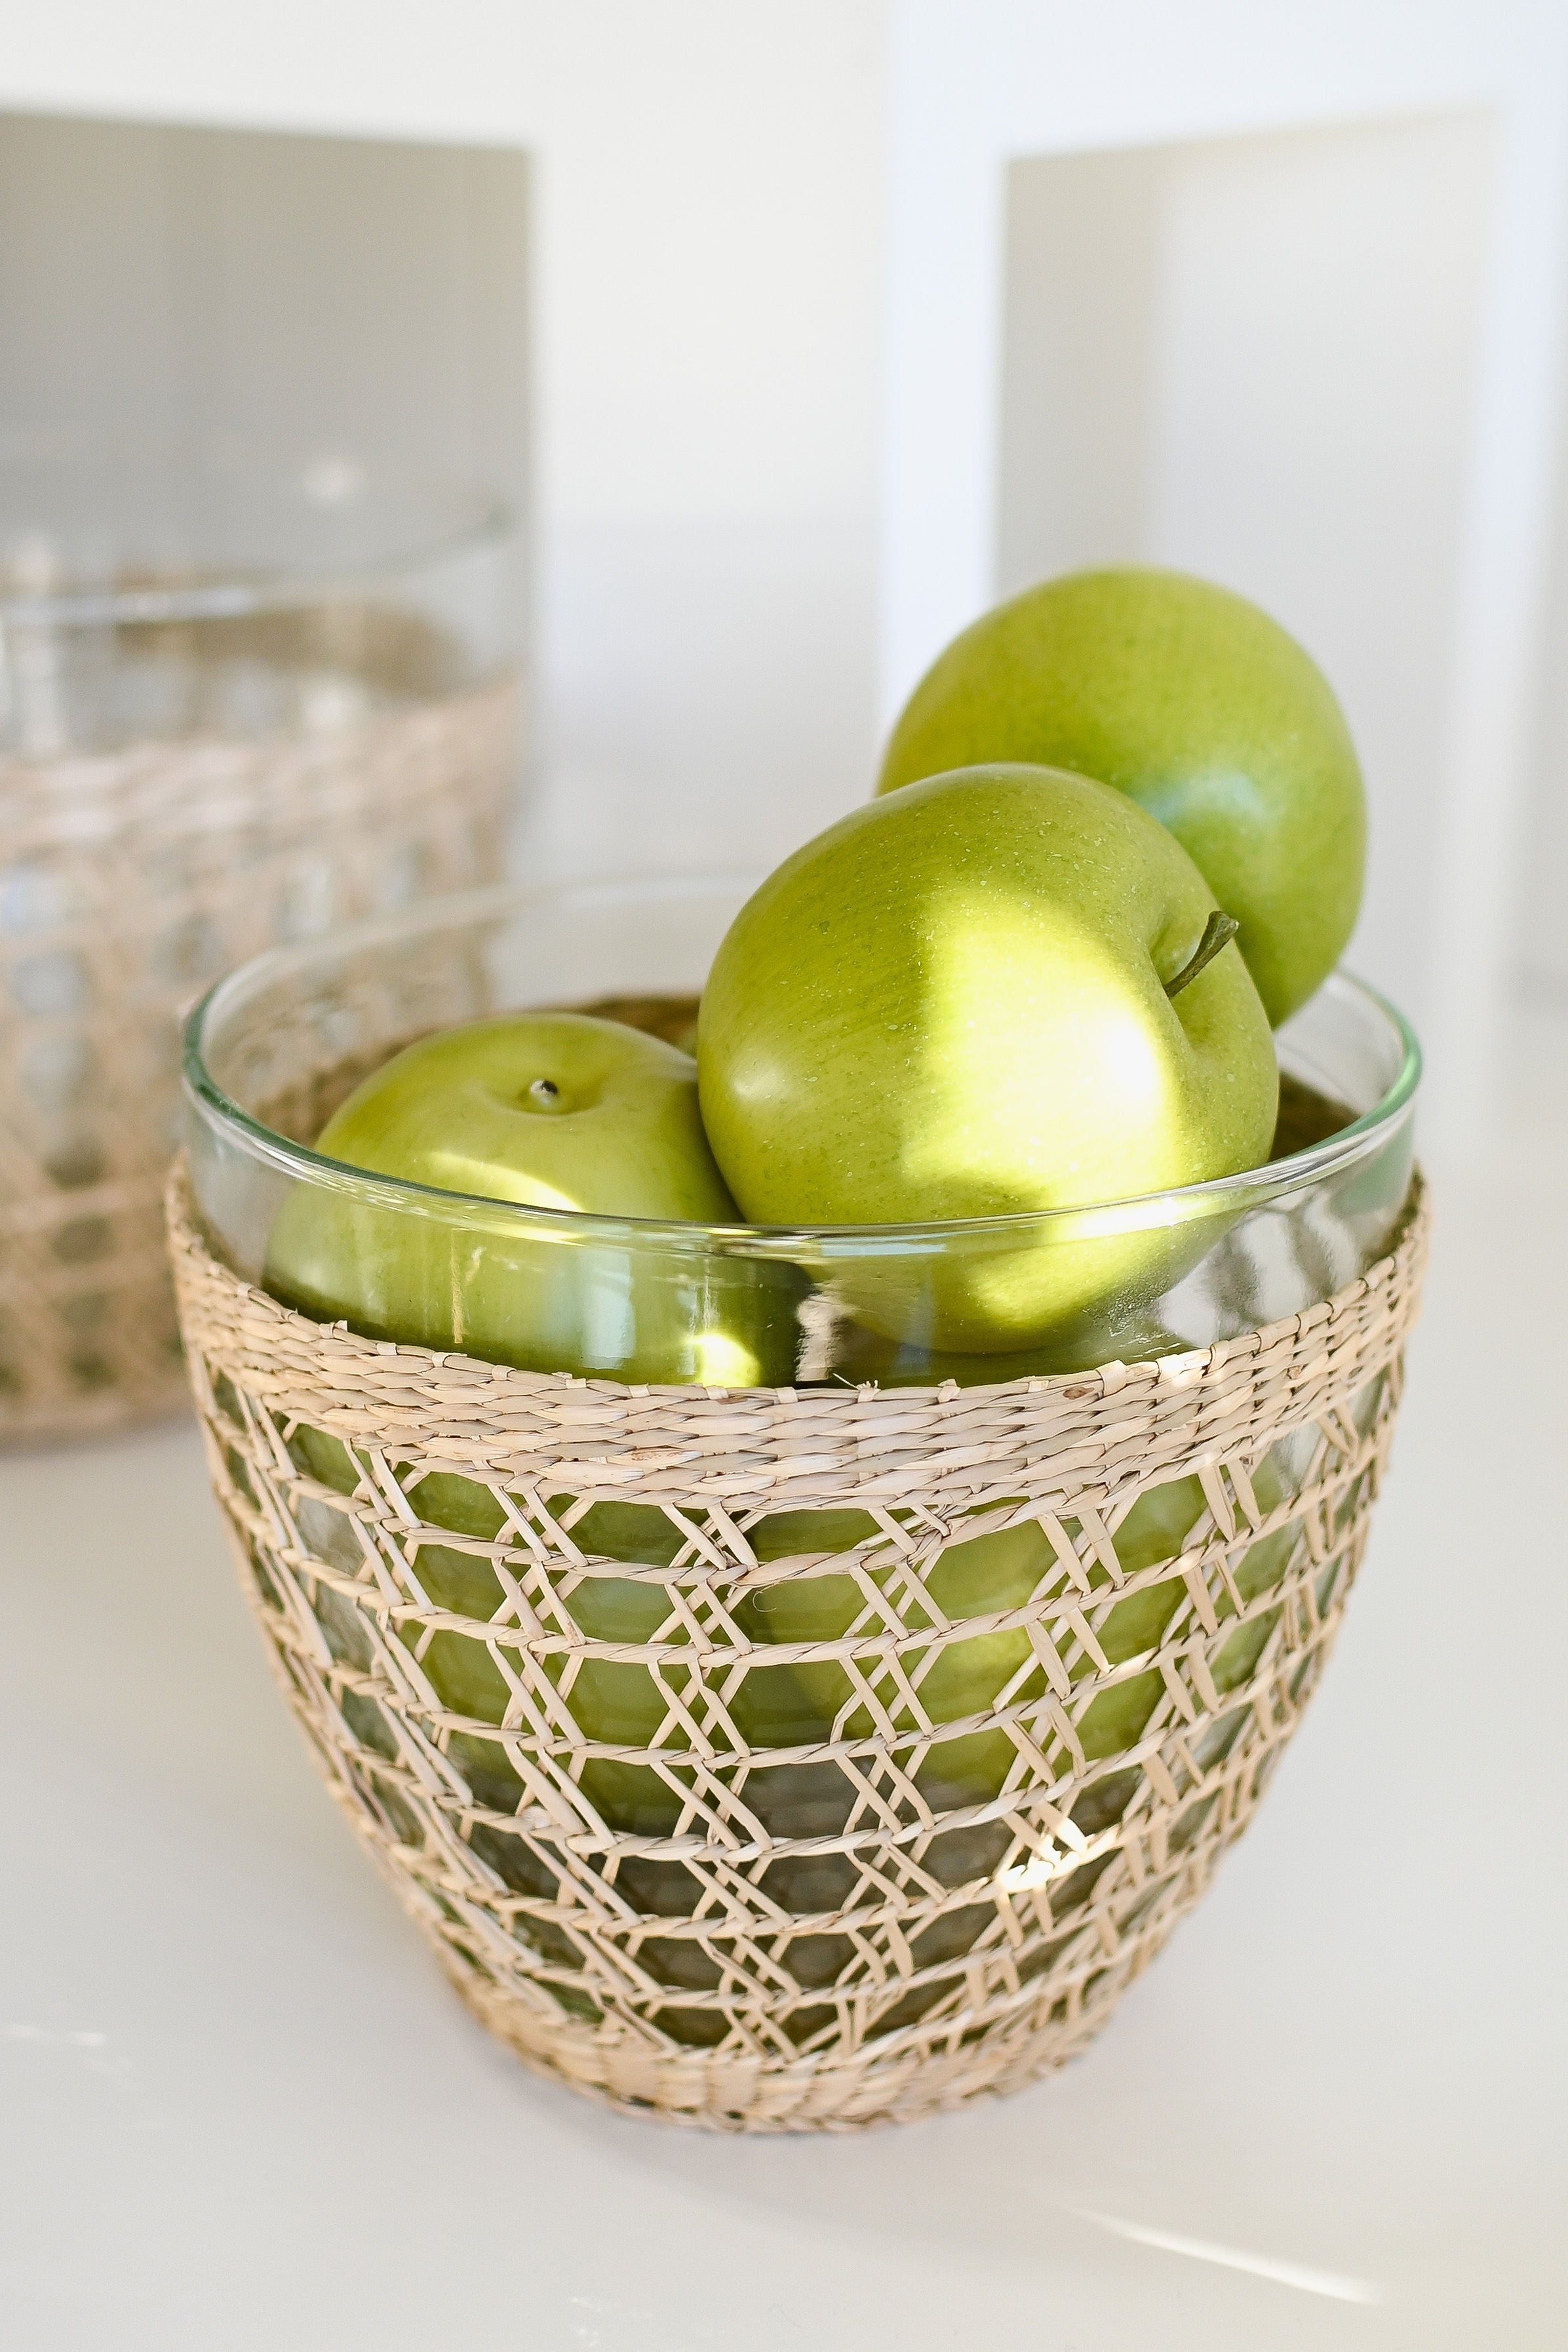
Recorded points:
(274,1049)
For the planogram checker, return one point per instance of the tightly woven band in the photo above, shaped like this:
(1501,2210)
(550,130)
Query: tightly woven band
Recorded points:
(130,879)
(793,1812)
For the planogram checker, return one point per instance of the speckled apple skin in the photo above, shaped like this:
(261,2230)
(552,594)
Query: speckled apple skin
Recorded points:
(1201,708)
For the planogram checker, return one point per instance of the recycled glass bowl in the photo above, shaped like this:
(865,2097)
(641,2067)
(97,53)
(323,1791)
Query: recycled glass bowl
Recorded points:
(821,1746)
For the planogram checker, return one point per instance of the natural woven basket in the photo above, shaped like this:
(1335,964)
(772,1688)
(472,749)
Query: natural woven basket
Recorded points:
(127,880)
(826,1934)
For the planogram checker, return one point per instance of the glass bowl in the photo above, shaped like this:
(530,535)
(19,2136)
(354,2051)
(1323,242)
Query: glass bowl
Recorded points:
(756,1756)
(243,699)
(273,1049)
(162,592)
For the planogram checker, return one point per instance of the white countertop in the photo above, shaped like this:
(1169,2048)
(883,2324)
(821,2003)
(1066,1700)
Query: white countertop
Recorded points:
(239,2107)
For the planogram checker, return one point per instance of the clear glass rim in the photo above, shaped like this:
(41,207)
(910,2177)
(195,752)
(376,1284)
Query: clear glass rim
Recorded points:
(477,518)
(1180,1205)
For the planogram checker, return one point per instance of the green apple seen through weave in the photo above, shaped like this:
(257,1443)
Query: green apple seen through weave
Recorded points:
(794,1705)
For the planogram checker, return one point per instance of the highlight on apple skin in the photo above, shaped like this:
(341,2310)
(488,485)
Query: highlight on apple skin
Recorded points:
(953,1004)
(559,1112)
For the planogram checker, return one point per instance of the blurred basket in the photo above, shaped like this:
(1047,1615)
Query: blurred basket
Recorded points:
(129,878)
(768,1883)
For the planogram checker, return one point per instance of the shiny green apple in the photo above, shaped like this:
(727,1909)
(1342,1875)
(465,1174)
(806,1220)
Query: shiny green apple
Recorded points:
(978,998)
(1201,708)
(558,1112)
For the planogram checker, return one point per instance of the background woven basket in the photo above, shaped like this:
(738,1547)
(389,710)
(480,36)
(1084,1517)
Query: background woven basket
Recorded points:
(841,1930)
(130,879)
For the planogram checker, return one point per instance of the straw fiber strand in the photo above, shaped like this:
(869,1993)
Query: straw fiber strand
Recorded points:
(130,879)
(767,1837)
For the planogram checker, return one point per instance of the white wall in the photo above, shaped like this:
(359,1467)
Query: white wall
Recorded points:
(704,262)
(981,85)
(311,294)
(1256,358)
(313,302)
(1542,884)
(710,420)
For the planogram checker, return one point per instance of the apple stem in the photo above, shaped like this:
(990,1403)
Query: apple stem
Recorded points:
(1218,932)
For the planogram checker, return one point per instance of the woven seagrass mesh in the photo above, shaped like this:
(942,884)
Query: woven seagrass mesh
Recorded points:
(130,879)
(783,1758)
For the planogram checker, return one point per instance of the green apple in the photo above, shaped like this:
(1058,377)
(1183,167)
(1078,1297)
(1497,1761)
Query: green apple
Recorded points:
(984,996)
(797,1703)
(561,1113)
(467,1664)
(1128,1329)
(985,1576)
(1001,1571)
(1202,709)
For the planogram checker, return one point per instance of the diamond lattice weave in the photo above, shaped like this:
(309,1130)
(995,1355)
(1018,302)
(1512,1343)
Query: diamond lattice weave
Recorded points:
(781,1759)
(130,878)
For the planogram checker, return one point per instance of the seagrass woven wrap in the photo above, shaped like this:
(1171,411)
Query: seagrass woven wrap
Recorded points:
(765,1882)
(129,880)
